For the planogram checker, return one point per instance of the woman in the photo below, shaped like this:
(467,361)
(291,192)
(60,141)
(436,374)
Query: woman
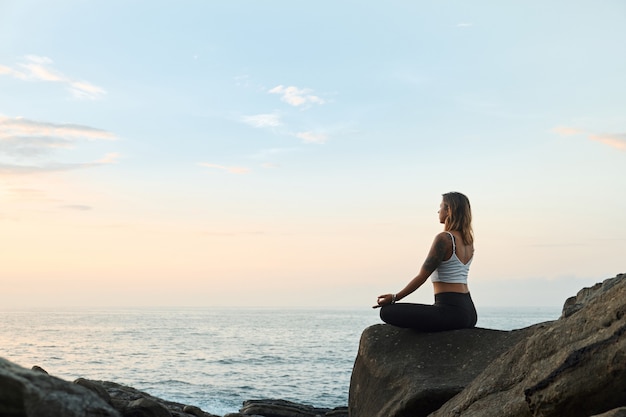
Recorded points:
(448,261)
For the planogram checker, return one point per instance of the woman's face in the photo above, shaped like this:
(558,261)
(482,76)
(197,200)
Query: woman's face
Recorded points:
(443,212)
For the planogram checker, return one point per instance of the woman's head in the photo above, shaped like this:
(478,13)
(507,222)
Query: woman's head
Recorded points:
(456,214)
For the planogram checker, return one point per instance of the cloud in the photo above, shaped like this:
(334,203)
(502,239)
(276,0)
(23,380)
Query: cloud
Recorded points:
(77,207)
(24,142)
(464,25)
(296,96)
(37,68)
(310,137)
(262,120)
(4,70)
(12,169)
(270,165)
(27,138)
(108,159)
(617,141)
(273,152)
(229,169)
(567,131)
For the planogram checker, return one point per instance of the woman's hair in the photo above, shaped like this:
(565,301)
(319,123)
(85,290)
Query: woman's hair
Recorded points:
(459,215)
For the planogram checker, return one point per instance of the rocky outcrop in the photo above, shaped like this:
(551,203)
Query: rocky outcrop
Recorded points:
(401,372)
(574,366)
(282,408)
(33,393)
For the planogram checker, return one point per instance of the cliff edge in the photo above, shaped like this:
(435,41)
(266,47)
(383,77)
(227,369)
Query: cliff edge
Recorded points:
(574,366)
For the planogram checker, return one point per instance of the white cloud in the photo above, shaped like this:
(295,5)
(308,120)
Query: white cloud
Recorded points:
(229,169)
(296,96)
(23,142)
(37,68)
(272,153)
(4,70)
(567,131)
(464,25)
(270,165)
(617,141)
(311,137)
(23,137)
(108,159)
(262,120)
(77,207)
(11,169)
(19,126)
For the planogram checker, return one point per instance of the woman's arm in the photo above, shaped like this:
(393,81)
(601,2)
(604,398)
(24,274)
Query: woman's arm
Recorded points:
(438,251)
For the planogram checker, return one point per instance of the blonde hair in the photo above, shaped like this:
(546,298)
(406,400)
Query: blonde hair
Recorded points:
(459,215)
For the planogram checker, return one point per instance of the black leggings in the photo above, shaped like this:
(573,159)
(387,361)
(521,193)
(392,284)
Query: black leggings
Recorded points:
(452,310)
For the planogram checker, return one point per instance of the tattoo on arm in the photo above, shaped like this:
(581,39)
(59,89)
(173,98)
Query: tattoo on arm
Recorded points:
(436,255)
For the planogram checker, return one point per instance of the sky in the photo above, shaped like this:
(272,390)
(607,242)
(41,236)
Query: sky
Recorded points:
(294,153)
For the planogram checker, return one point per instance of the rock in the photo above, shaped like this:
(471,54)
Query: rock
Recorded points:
(401,372)
(29,393)
(127,399)
(618,412)
(144,407)
(281,408)
(39,369)
(575,366)
(194,411)
(94,387)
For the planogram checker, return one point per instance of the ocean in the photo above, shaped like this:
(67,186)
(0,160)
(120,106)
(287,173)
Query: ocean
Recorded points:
(213,358)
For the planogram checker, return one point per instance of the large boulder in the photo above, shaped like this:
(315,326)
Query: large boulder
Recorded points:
(33,393)
(574,367)
(401,372)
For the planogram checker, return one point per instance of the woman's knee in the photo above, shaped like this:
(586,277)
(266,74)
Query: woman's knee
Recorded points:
(384,313)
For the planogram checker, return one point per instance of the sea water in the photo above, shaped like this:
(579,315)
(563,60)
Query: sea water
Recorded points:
(213,358)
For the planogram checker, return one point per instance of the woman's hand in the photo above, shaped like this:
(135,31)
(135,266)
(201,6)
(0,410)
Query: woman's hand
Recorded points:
(383,300)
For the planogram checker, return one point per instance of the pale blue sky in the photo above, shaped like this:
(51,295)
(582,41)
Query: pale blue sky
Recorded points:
(294,153)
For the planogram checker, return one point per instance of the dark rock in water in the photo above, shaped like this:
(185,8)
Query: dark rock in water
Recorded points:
(194,411)
(283,408)
(39,369)
(28,393)
(98,389)
(401,372)
(134,403)
(574,367)
(144,407)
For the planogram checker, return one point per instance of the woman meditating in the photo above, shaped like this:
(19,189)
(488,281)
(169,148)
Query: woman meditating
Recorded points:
(448,262)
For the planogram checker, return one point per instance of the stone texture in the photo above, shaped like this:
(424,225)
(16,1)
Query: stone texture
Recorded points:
(401,372)
(134,403)
(575,366)
(283,408)
(617,412)
(33,393)
(145,407)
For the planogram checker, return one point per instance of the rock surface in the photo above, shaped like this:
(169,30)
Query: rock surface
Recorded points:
(401,372)
(33,393)
(575,366)
(282,408)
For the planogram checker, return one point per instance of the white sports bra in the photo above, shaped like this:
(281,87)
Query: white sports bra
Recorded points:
(452,271)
